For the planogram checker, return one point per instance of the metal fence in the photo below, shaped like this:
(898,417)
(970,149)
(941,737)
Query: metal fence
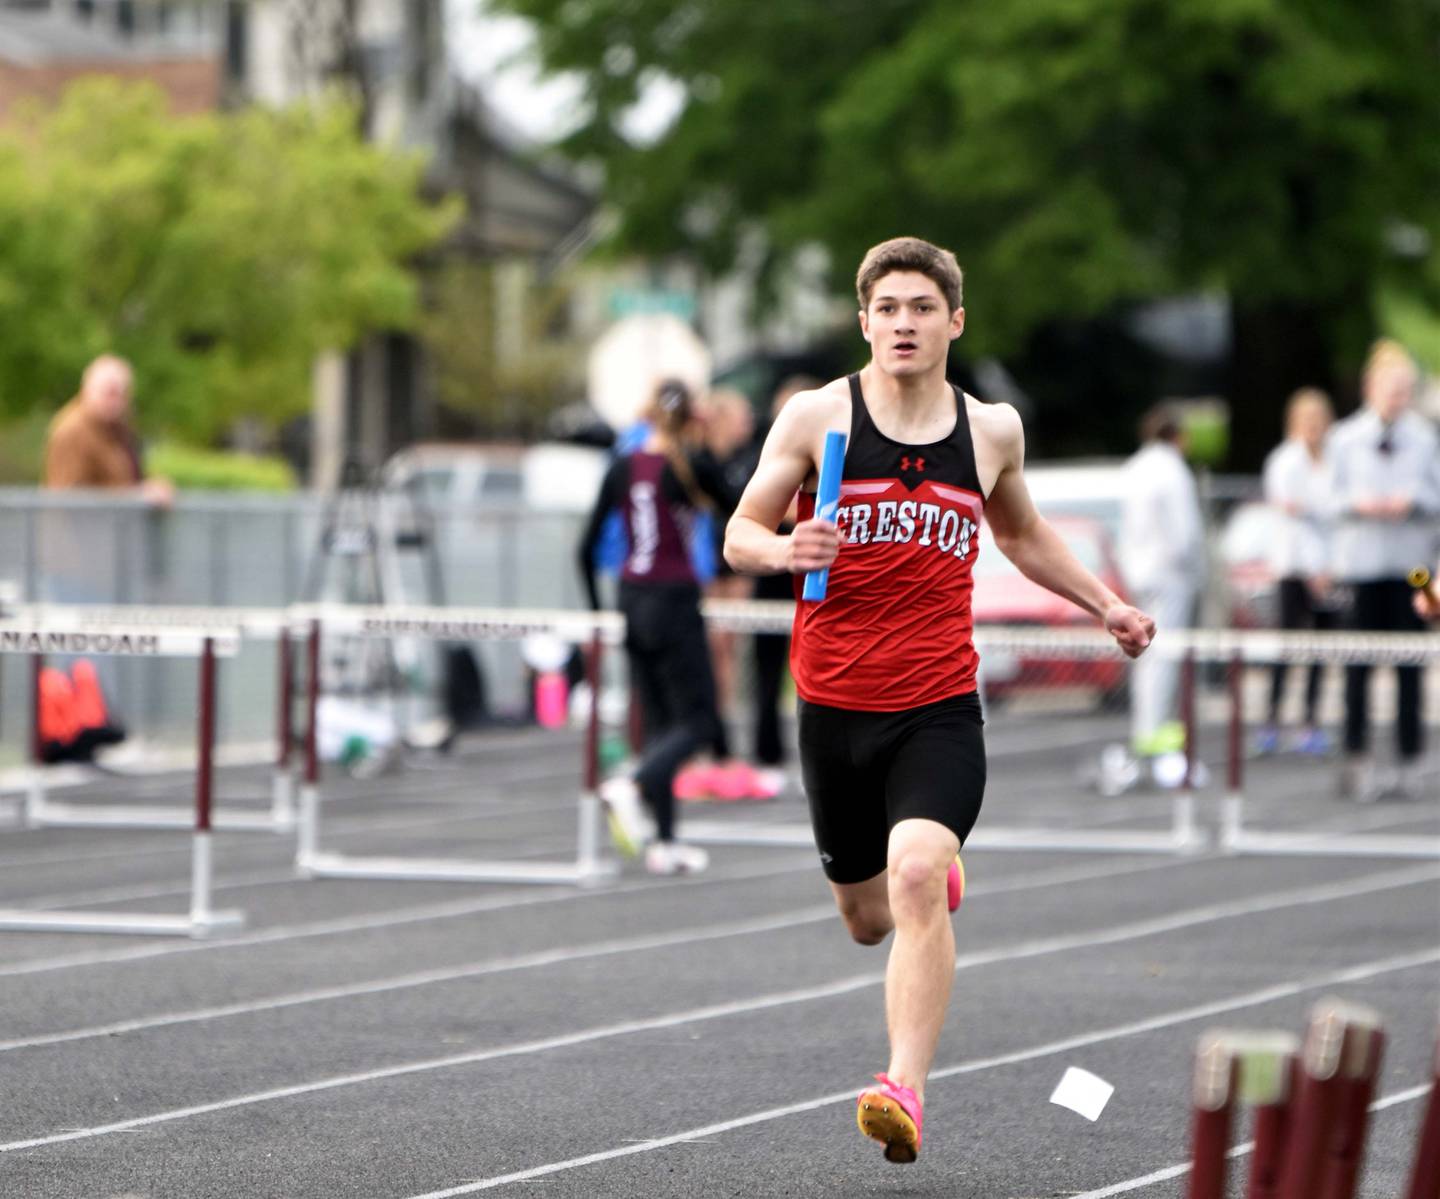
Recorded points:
(255,551)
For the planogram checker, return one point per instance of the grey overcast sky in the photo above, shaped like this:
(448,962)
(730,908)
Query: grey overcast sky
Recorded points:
(492,51)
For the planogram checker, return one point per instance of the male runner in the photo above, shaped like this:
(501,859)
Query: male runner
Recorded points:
(891,749)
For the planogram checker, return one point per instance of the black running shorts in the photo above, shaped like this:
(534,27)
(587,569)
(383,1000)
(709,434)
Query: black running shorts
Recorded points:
(864,772)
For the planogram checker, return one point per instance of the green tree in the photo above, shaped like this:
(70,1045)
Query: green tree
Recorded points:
(472,317)
(1078,155)
(220,253)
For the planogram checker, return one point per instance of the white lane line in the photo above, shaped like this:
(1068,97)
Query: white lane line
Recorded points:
(810,915)
(1242,1150)
(395,917)
(344,824)
(556,842)
(1031,949)
(1183,1016)
(459,908)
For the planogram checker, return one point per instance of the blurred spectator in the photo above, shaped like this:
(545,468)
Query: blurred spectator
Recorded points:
(1162,556)
(1386,460)
(729,424)
(658,487)
(91,442)
(1298,482)
(772,650)
(731,450)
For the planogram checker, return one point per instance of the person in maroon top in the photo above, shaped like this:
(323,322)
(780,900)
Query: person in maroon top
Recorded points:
(658,489)
(891,747)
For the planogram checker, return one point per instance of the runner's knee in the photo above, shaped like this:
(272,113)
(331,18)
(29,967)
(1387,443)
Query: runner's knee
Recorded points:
(867,921)
(917,879)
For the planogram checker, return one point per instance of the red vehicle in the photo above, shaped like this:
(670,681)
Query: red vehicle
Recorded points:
(1003,596)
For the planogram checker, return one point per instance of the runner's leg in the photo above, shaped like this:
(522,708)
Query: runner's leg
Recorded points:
(865,908)
(922,957)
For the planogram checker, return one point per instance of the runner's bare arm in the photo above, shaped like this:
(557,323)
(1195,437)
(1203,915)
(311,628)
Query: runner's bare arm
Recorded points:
(1029,541)
(752,546)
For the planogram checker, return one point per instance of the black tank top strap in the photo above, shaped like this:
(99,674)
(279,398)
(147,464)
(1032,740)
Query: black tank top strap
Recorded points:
(965,444)
(860,422)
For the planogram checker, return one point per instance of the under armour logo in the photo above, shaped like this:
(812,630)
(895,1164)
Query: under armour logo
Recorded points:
(905,463)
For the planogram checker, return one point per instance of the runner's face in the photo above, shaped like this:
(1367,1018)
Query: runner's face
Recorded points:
(908,324)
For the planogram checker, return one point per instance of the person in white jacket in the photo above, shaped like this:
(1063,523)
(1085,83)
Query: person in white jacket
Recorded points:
(1162,556)
(1300,484)
(1386,463)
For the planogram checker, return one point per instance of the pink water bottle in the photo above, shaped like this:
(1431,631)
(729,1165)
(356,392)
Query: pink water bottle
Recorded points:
(552,699)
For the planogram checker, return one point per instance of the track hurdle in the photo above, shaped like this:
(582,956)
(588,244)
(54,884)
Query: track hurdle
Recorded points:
(54,635)
(1311,1103)
(1340,1063)
(587,868)
(39,811)
(1425,1177)
(1182,836)
(1235,1069)
(1240,649)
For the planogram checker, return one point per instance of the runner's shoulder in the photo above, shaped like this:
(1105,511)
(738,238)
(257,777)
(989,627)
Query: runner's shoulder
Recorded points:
(997,423)
(807,414)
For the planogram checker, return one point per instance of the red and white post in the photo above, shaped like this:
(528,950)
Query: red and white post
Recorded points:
(1425,1177)
(308,835)
(1213,1104)
(282,802)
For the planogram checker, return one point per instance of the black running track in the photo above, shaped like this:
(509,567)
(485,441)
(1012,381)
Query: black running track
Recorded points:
(654,1037)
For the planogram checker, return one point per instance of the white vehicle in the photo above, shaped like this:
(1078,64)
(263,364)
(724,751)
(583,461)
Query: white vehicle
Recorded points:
(1085,487)
(549,477)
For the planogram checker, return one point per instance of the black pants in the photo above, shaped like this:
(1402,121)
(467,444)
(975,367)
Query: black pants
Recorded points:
(1383,605)
(772,656)
(1298,610)
(670,671)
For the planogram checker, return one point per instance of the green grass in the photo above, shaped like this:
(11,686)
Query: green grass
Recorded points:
(22,450)
(218,470)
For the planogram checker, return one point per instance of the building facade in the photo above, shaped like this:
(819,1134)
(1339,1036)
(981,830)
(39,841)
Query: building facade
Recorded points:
(45,45)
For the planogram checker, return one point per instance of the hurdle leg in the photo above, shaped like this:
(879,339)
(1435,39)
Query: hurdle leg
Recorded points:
(282,801)
(1187,717)
(1213,1103)
(1366,1049)
(1329,1042)
(1425,1177)
(1233,803)
(1183,827)
(588,852)
(35,785)
(203,917)
(308,837)
(1272,1132)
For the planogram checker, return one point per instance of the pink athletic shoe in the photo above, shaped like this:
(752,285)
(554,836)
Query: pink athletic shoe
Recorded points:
(730,783)
(892,1115)
(692,784)
(739,780)
(955,883)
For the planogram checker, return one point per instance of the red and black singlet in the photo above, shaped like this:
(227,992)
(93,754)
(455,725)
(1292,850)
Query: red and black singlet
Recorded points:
(895,628)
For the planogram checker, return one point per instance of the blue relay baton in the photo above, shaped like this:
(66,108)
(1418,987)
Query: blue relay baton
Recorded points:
(827,500)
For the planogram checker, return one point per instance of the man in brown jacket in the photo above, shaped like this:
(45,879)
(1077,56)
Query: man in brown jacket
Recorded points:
(91,442)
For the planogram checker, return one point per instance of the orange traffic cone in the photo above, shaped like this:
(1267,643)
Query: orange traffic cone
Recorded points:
(96,726)
(59,726)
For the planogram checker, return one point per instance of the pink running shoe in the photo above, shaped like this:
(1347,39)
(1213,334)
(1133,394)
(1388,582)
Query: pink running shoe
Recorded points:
(739,780)
(692,784)
(955,883)
(892,1115)
(730,783)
